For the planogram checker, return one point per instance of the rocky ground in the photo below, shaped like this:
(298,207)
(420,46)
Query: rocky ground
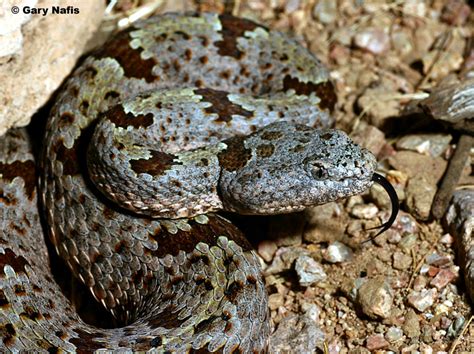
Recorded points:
(405,291)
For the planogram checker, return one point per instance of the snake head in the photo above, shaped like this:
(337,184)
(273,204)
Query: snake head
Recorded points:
(292,167)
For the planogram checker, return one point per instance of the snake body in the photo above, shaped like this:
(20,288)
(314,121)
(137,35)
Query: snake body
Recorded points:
(171,120)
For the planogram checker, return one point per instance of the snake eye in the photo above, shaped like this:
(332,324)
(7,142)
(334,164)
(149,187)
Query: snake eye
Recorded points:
(318,171)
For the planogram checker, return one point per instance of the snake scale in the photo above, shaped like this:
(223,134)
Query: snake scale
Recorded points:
(171,120)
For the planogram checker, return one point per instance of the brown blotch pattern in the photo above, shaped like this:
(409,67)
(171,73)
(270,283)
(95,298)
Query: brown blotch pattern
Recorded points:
(156,165)
(8,334)
(265,150)
(326,136)
(111,95)
(188,54)
(271,135)
(7,200)
(16,262)
(90,72)
(200,233)
(30,314)
(221,105)
(233,291)
(84,107)
(297,148)
(233,28)
(19,290)
(324,90)
(25,170)
(68,157)
(130,59)
(87,341)
(66,119)
(3,300)
(235,156)
(121,119)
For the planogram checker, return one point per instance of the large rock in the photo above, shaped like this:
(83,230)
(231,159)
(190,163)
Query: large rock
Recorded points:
(38,51)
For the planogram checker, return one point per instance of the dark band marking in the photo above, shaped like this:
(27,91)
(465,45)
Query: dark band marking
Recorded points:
(326,136)
(265,150)
(129,59)
(25,170)
(8,334)
(324,90)
(156,165)
(30,314)
(221,105)
(233,28)
(188,240)
(168,318)
(233,291)
(235,156)
(4,303)
(16,262)
(271,135)
(66,119)
(68,157)
(87,341)
(118,116)
(111,95)
(203,327)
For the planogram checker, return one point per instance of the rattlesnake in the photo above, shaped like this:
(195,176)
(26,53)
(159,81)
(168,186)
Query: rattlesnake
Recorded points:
(175,118)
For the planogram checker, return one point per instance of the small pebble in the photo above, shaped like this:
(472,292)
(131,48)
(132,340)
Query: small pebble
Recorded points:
(376,341)
(456,326)
(393,334)
(284,259)
(325,11)
(365,211)
(266,249)
(408,242)
(429,144)
(291,6)
(411,326)
(309,271)
(424,269)
(446,239)
(406,224)
(443,278)
(410,349)
(311,310)
(416,8)
(432,271)
(338,252)
(298,334)
(334,347)
(419,197)
(445,322)
(441,309)
(455,12)
(393,236)
(420,283)
(375,298)
(275,301)
(437,260)
(374,40)
(401,260)
(425,348)
(422,300)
